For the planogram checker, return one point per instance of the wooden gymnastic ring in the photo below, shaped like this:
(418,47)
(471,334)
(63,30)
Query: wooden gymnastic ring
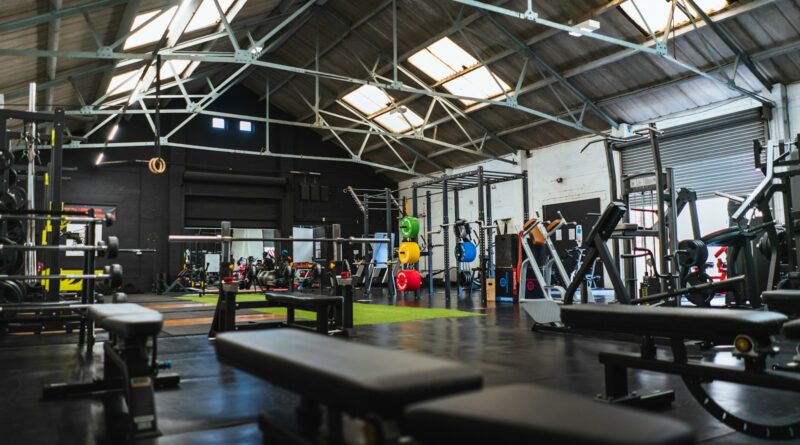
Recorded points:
(157,165)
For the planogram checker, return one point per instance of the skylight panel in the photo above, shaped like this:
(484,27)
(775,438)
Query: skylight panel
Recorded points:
(123,82)
(656,13)
(207,14)
(442,59)
(368,99)
(151,32)
(480,83)
(399,120)
(177,66)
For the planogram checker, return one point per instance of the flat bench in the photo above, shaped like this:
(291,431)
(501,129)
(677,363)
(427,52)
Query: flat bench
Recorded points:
(750,332)
(128,368)
(785,301)
(688,323)
(536,415)
(322,306)
(390,389)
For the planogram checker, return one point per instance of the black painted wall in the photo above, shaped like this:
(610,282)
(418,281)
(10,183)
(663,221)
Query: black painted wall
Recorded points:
(151,207)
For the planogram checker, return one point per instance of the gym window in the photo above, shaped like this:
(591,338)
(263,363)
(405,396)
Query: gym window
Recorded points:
(458,72)
(245,126)
(652,16)
(151,26)
(218,123)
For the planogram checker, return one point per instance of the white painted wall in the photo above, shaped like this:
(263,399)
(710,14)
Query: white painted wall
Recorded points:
(585,176)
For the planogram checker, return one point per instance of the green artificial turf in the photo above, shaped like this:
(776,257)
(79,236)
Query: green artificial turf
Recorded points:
(363,314)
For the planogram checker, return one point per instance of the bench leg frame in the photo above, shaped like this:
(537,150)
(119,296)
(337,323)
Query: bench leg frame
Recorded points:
(129,371)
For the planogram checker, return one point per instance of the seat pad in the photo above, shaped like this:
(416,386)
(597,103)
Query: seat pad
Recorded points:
(359,379)
(535,415)
(694,323)
(782,300)
(127,319)
(791,330)
(298,298)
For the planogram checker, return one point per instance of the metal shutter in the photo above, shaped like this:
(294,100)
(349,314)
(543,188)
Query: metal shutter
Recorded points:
(707,156)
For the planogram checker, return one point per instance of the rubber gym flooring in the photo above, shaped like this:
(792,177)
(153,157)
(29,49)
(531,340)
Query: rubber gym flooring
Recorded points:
(219,405)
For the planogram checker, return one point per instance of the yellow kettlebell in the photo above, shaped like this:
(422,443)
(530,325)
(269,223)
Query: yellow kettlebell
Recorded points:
(408,253)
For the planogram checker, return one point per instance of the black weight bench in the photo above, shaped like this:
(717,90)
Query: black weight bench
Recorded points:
(128,368)
(785,301)
(750,332)
(383,387)
(528,414)
(323,306)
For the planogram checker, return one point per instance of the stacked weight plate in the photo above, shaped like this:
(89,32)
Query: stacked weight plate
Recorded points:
(408,253)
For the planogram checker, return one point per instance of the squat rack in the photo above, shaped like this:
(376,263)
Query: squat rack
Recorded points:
(483,180)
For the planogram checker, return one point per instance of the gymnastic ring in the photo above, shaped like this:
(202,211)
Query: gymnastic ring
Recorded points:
(157,165)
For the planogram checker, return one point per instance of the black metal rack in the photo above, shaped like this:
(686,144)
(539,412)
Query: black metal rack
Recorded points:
(483,180)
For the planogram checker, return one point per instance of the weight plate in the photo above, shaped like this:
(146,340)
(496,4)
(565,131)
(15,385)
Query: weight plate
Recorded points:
(11,261)
(466,252)
(464,278)
(699,298)
(695,253)
(11,292)
(408,253)
(12,177)
(6,160)
(15,231)
(409,227)
(408,280)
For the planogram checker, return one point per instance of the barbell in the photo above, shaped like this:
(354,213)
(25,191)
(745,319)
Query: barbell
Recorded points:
(107,219)
(112,275)
(228,239)
(108,248)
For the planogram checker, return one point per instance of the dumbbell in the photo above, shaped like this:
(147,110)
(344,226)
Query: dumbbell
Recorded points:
(109,248)
(112,275)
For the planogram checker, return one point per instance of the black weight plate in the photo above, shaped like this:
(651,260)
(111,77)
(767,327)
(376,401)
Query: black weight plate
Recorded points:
(15,231)
(21,195)
(11,261)
(699,298)
(6,160)
(464,278)
(696,253)
(12,177)
(9,201)
(11,292)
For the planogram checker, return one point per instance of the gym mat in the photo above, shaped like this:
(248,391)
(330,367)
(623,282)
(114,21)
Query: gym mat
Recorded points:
(363,314)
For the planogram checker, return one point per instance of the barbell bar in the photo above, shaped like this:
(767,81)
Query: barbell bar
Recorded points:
(108,249)
(112,274)
(71,219)
(220,239)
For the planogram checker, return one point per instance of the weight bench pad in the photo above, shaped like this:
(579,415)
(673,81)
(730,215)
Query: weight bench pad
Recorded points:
(300,298)
(791,330)
(784,300)
(672,321)
(359,379)
(537,415)
(127,319)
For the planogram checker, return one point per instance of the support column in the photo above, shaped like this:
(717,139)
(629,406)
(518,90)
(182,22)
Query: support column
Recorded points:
(490,231)
(457,216)
(429,241)
(482,235)
(446,241)
(53,237)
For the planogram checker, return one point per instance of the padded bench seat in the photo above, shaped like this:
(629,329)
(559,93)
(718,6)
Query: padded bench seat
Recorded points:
(673,321)
(786,301)
(358,379)
(536,415)
(791,330)
(127,319)
(301,300)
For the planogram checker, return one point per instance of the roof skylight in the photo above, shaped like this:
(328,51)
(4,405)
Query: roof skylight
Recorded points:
(152,31)
(444,59)
(656,12)
(399,120)
(207,14)
(368,99)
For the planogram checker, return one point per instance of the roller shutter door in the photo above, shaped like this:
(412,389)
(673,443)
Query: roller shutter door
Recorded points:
(707,156)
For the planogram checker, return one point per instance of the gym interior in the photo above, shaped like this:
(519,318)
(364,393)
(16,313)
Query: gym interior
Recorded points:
(399,221)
